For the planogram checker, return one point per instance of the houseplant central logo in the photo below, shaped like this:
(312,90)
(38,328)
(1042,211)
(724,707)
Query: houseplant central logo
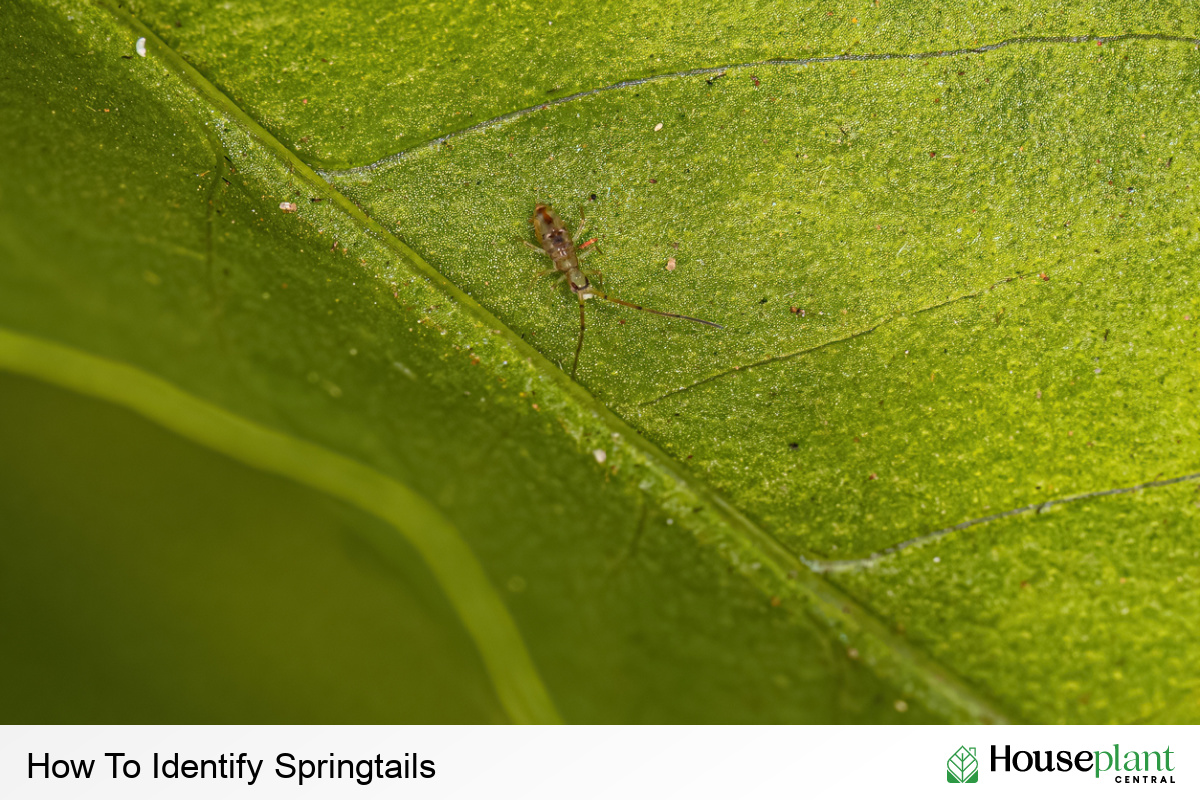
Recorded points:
(962,767)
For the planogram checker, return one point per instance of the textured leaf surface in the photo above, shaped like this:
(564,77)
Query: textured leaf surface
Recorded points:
(952,287)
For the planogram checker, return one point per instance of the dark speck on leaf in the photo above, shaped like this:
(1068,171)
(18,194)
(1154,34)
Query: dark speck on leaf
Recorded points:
(794,445)
(760,302)
(593,198)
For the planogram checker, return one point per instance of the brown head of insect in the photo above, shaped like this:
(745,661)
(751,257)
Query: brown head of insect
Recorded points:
(558,244)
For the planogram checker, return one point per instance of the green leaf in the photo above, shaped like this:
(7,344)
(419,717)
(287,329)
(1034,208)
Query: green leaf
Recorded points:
(952,286)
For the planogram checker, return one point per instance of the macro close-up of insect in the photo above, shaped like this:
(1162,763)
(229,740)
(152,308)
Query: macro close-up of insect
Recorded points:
(559,246)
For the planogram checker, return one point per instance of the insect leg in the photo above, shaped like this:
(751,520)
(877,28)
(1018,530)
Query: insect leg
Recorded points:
(533,247)
(579,344)
(541,275)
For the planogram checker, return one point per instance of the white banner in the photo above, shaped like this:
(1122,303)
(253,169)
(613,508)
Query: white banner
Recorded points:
(596,762)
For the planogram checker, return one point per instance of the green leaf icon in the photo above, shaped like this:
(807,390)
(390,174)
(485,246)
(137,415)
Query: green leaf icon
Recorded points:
(962,767)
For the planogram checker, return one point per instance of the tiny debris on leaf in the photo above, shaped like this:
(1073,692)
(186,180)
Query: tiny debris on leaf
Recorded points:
(141,47)
(658,127)
(671,264)
(287,208)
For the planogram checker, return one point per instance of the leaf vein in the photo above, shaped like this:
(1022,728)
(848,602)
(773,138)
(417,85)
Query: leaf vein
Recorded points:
(769,62)
(848,337)
(852,564)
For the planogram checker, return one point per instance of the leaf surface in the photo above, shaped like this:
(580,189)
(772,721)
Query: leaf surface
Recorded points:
(953,286)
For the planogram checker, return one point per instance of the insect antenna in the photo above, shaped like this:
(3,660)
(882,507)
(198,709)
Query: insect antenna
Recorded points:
(602,296)
(579,344)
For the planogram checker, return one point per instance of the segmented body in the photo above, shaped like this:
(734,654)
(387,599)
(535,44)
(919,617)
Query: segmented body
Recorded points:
(559,245)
